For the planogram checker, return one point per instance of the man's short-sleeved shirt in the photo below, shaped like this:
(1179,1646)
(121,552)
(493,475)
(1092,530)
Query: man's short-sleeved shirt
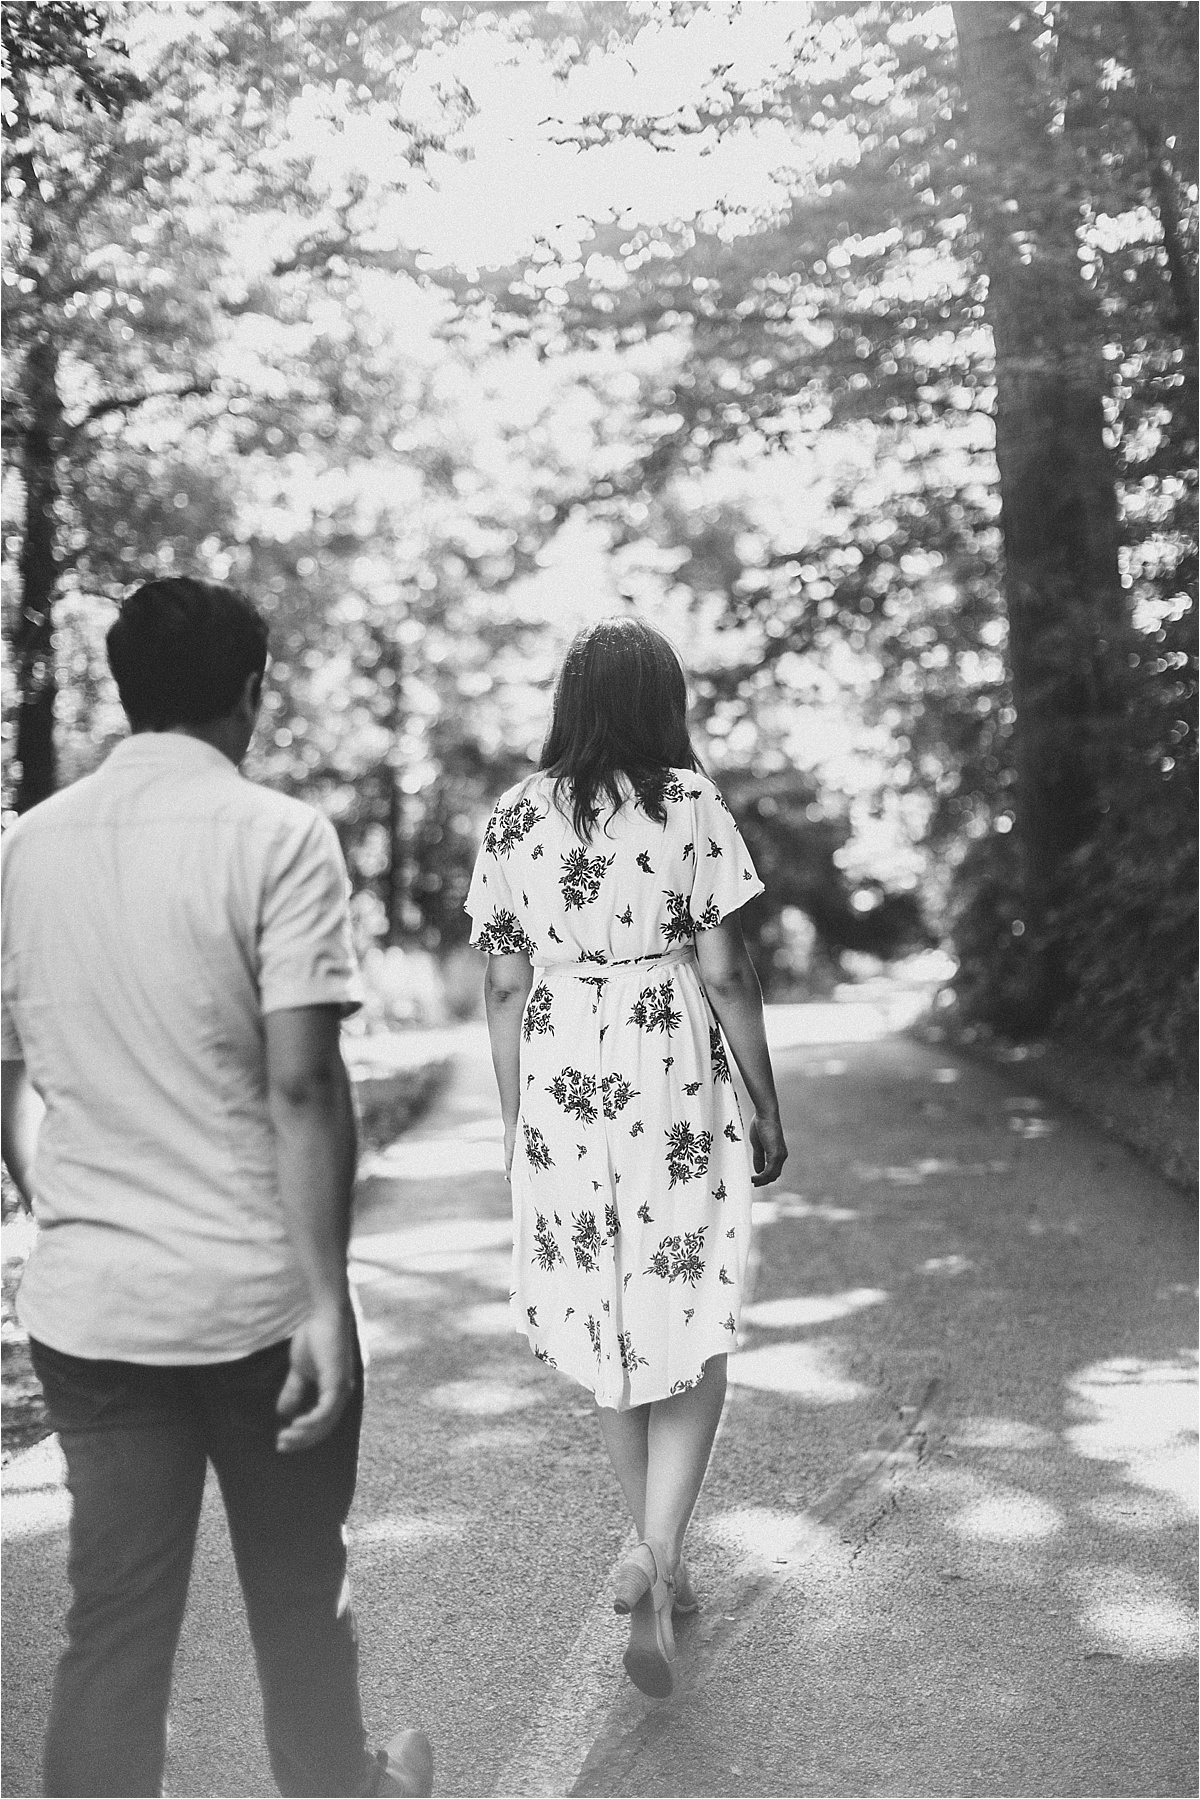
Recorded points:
(153,913)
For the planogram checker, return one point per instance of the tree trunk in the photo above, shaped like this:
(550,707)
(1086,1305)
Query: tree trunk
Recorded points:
(33,639)
(1163,184)
(395,874)
(1057,483)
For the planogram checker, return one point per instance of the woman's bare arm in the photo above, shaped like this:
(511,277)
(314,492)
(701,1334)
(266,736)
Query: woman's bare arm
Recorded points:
(736,997)
(506,987)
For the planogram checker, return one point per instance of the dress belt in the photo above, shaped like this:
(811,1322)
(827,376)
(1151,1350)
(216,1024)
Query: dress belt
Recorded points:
(676,957)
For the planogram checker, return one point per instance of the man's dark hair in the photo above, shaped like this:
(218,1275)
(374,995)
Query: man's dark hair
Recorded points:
(620,709)
(181,652)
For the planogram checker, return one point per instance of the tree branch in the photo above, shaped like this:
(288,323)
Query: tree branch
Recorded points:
(319,252)
(128,402)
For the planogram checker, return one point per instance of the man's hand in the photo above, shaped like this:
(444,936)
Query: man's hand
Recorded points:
(323,1359)
(770,1150)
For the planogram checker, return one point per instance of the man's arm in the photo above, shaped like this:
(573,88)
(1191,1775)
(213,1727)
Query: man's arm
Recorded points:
(19,1121)
(505,990)
(308,1096)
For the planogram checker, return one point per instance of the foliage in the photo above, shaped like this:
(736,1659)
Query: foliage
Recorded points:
(767,422)
(857,314)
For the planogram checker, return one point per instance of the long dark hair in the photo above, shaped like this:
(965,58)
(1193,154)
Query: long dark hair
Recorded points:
(620,708)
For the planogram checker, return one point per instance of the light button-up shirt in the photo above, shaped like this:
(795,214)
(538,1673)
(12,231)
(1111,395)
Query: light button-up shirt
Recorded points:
(153,914)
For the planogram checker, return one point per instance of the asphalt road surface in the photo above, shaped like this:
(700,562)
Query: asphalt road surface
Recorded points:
(947,1541)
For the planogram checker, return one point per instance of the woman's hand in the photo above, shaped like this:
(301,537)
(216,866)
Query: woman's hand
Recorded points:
(770,1150)
(510,1143)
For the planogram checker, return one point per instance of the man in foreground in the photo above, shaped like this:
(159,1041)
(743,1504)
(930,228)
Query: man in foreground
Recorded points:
(177,962)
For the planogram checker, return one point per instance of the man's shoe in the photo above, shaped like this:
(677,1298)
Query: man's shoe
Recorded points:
(406,1766)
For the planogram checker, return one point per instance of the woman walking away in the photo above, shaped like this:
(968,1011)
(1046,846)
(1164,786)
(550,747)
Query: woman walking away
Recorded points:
(606,894)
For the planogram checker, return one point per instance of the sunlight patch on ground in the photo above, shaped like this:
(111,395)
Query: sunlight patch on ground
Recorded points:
(1142,1617)
(408,1530)
(1001,1531)
(392,1288)
(1000,1433)
(817,1069)
(1038,1227)
(818,1022)
(415,1241)
(36,1500)
(36,1468)
(490,1268)
(766,1538)
(1030,1128)
(480,1398)
(811,1308)
(500,1439)
(35,1514)
(915,1174)
(947,1265)
(436,1158)
(1142,1414)
(445,1246)
(808,1371)
(492,1319)
(794,1205)
(1008,1517)
(385,1340)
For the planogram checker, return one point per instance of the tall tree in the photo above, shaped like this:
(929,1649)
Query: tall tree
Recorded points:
(858,310)
(76,178)
(40,42)
(1066,608)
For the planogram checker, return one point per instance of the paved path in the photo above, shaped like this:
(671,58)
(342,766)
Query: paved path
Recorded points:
(947,1541)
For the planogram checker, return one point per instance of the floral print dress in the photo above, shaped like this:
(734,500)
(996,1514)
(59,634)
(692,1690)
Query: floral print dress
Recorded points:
(631,1177)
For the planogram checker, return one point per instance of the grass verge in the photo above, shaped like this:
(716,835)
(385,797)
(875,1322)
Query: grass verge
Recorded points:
(1157,1119)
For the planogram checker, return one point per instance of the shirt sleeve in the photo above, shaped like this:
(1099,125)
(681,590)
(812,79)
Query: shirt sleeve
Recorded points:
(305,953)
(725,876)
(11,1049)
(495,926)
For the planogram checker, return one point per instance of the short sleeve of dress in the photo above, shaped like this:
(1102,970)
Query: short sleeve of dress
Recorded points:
(725,876)
(495,926)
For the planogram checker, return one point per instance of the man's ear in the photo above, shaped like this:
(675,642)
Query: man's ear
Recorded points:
(252,693)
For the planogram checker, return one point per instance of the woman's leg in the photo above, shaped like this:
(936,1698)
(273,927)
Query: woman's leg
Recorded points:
(678,1443)
(625,1438)
(660,1453)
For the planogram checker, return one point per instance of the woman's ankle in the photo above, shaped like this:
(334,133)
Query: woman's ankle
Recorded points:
(666,1553)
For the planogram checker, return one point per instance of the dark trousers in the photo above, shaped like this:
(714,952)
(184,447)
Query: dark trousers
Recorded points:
(137,1440)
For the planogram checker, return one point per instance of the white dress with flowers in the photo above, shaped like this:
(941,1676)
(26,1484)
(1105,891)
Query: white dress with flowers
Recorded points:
(631,1178)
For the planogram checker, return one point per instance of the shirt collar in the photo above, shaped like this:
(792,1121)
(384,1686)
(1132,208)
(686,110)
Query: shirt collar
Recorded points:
(167,749)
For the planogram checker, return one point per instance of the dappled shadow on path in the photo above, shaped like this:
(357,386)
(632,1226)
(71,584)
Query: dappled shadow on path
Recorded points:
(1002,1607)
(1007,1604)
